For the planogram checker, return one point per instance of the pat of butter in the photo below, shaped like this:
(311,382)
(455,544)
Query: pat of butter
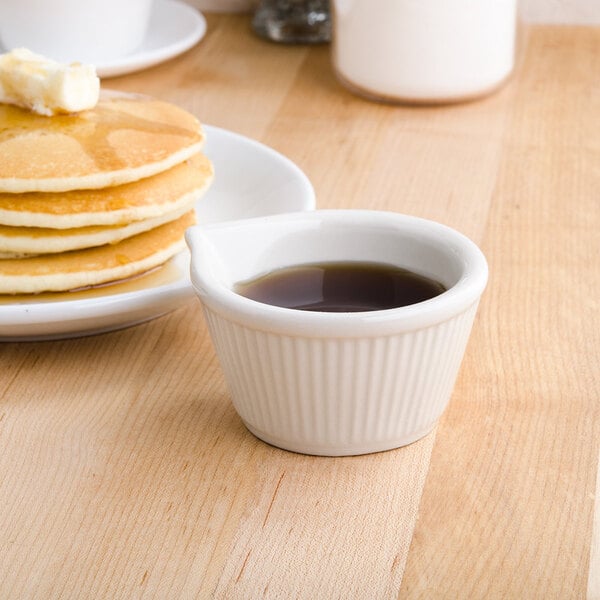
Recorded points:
(44,86)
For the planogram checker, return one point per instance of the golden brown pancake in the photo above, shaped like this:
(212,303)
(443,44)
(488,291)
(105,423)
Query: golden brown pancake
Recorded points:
(17,242)
(93,266)
(124,138)
(144,199)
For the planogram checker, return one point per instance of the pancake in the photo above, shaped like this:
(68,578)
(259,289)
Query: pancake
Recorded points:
(123,139)
(145,199)
(94,266)
(14,254)
(16,242)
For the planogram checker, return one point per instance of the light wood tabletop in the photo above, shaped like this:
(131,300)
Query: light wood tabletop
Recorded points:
(126,473)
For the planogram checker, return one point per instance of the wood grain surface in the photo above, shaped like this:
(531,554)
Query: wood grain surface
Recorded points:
(126,473)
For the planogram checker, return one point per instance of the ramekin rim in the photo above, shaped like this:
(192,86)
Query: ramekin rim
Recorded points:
(460,297)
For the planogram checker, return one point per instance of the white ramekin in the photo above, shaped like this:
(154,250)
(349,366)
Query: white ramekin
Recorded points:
(337,383)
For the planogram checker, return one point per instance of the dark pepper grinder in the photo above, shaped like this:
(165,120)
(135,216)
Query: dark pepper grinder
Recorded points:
(293,21)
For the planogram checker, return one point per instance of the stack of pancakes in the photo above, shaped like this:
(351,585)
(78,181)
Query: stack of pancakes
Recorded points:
(97,196)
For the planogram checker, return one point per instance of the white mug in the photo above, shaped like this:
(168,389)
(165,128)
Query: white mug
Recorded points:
(423,50)
(88,31)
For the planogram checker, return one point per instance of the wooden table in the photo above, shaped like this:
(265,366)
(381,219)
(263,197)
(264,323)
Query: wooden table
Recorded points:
(125,472)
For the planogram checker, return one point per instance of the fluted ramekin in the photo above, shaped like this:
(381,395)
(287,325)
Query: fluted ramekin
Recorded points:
(337,383)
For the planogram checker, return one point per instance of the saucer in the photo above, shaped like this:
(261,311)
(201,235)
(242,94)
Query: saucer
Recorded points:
(174,28)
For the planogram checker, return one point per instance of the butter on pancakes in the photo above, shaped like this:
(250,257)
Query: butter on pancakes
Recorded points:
(98,196)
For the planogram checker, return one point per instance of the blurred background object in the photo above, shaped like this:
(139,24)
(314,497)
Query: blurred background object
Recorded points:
(293,21)
(67,30)
(224,6)
(573,12)
(429,51)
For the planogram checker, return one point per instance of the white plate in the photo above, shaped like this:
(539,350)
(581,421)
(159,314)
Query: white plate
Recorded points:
(250,180)
(174,28)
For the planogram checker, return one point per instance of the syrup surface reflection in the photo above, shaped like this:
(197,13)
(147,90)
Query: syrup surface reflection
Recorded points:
(341,287)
